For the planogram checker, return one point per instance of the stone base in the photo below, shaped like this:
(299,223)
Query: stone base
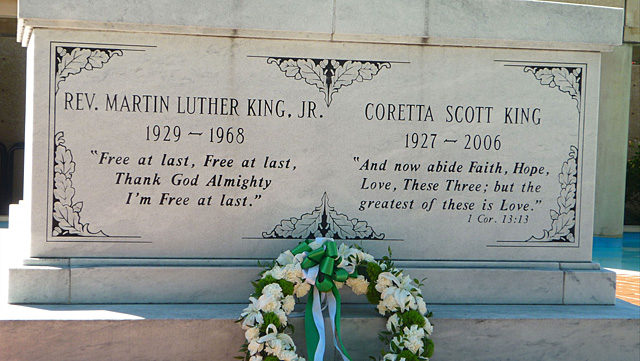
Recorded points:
(88,281)
(207,332)
(152,281)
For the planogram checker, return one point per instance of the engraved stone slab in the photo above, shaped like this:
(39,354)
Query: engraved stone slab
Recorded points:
(210,147)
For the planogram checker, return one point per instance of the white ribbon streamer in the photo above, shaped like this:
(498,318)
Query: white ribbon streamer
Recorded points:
(310,276)
(318,319)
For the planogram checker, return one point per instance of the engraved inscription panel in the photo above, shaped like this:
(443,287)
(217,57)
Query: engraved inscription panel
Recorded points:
(176,146)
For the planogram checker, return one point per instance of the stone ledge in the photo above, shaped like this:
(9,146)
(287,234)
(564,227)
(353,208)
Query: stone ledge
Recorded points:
(207,332)
(220,262)
(202,284)
(498,23)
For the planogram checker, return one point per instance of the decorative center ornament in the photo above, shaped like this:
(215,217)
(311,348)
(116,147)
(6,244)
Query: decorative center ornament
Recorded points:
(319,269)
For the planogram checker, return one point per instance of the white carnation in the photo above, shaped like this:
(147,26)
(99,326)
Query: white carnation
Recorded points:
(252,333)
(276,272)
(282,316)
(414,331)
(256,358)
(413,339)
(288,356)
(274,290)
(358,285)
(288,304)
(268,303)
(381,308)
(390,303)
(383,281)
(301,289)
(414,345)
(293,273)
(255,347)
(339,285)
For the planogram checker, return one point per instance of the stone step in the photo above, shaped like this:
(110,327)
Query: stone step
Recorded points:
(208,332)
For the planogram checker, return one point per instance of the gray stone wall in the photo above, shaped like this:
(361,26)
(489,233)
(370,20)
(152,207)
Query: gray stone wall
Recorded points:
(12,106)
(12,90)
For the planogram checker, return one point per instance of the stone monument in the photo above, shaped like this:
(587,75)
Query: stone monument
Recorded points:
(170,146)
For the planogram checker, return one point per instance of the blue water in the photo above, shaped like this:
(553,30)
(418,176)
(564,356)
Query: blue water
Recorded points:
(620,253)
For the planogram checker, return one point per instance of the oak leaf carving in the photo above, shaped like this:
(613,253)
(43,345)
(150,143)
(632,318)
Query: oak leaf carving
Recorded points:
(563,219)
(328,76)
(79,59)
(63,190)
(66,213)
(559,77)
(323,221)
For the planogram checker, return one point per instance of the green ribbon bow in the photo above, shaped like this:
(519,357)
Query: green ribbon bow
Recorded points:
(327,260)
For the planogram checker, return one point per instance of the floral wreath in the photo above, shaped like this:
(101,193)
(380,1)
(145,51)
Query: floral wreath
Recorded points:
(318,269)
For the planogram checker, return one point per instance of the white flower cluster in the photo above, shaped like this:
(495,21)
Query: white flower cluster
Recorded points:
(398,295)
(273,341)
(401,299)
(351,257)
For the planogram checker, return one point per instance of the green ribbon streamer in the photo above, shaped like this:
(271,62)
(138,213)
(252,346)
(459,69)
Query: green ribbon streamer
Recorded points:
(326,257)
(336,294)
(310,330)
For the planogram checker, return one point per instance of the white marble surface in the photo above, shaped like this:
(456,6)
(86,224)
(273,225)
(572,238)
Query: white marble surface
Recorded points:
(603,289)
(169,285)
(486,23)
(187,262)
(522,24)
(493,286)
(138,40)
(39,285)
(192,283)
(449,112)
(195,332)
(250,17)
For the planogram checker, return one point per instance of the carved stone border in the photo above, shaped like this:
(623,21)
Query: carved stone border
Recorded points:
(568,80)
(323,221)
(328,75)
